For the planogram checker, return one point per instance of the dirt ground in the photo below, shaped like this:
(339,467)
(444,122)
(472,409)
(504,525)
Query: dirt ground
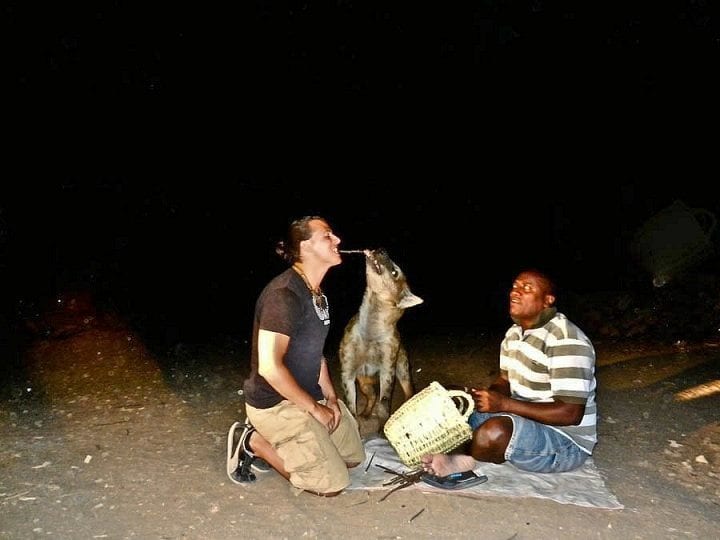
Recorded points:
(103,439)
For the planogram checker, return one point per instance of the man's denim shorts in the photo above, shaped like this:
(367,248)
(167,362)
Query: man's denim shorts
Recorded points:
(536,447)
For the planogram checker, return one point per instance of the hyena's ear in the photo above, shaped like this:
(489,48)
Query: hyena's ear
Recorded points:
(408,299)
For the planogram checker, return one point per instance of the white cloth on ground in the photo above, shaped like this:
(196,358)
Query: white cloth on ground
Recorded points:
(583,487)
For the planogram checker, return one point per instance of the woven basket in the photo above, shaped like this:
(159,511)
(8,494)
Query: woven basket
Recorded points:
(429,423)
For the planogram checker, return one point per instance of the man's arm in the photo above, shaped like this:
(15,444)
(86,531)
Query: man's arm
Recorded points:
(328,390)
(557,413)
(496,398)
(326,383)
(272,347)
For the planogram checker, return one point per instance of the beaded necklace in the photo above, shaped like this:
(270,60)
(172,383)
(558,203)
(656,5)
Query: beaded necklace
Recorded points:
(320,302)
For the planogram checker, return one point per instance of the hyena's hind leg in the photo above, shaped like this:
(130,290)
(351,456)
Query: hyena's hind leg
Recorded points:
(402,373)
(366,387)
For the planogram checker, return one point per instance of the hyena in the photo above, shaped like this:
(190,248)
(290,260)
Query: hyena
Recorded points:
(371,348)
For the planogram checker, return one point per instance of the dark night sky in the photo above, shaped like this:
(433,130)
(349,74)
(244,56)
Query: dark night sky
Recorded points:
(158,153)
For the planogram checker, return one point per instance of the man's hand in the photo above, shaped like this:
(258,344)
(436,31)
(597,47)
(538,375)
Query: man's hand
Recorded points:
(332,404)
(552,413)
(324,415)
(488,401)
(328,415)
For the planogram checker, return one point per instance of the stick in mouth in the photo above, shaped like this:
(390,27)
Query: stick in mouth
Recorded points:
(351,250)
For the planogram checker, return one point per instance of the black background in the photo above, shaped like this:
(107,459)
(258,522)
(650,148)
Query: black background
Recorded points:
(156,153)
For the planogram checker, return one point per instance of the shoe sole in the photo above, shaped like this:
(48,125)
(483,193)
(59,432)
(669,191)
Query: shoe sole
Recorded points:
(233,453)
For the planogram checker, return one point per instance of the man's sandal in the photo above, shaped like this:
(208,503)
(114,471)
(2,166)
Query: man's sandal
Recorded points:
(240,458)
(454,481)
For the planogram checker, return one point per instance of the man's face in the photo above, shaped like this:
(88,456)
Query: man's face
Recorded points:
(323,244)
(528,297)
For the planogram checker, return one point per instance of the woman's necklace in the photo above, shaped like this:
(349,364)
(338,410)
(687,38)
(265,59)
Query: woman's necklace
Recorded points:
(320,302)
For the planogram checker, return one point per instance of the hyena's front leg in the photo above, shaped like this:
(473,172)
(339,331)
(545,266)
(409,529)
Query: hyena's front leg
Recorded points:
(350,396)
(387,374)
(347,376)
(402,373)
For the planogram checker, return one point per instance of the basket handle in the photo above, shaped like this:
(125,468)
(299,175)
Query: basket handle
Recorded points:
(469,405)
